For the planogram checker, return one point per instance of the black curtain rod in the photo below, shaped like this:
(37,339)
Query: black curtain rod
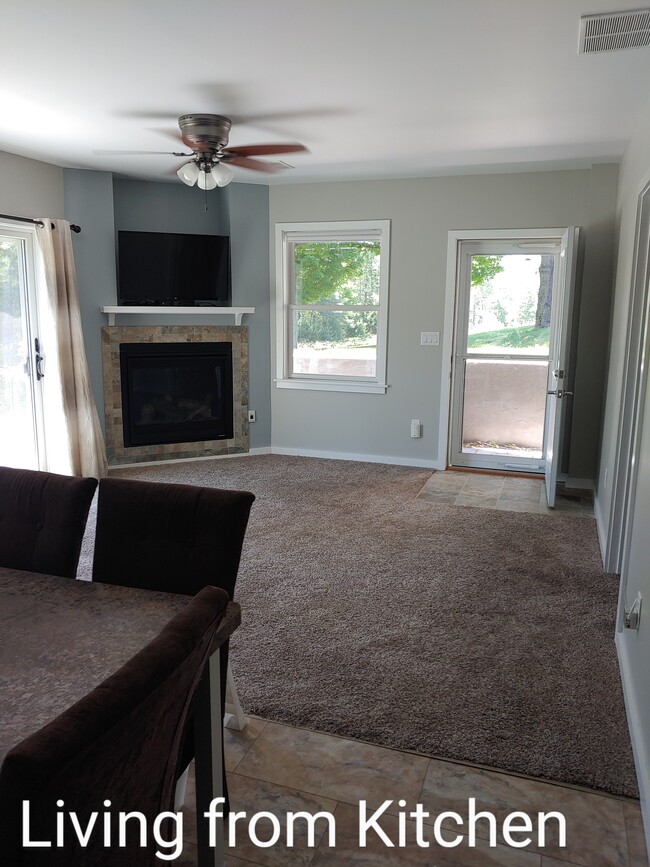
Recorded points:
(73,228)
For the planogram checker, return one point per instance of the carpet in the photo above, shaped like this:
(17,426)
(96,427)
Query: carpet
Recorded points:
(470,634)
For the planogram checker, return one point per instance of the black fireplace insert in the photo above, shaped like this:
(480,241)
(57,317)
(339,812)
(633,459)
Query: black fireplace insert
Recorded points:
(176,392)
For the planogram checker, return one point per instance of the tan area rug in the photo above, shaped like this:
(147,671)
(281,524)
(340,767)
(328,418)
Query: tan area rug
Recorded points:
(469,634)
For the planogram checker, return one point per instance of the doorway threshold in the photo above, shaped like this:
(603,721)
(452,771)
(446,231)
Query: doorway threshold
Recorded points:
(513,492)
(477,448)
(486,471)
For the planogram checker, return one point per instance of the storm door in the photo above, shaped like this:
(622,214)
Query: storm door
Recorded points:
(510,348)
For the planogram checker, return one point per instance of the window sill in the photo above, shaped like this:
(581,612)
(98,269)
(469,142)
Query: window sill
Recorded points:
(332,385)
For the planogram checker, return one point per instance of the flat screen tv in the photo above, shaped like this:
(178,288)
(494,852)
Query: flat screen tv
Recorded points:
(160,268)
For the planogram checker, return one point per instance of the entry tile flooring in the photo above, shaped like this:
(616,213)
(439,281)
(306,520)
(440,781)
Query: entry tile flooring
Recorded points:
(507,493)
(278,768)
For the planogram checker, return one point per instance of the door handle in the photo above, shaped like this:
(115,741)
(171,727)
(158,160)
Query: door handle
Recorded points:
(38,359)
(560,392)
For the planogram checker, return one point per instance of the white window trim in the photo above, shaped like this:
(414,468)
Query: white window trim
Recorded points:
(317,231)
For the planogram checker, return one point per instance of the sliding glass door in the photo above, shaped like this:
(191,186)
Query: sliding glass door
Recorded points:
(21,365)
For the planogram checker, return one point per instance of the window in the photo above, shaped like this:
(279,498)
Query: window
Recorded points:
(332,300)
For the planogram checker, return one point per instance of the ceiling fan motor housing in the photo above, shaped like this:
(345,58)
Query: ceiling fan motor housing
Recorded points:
(204,133)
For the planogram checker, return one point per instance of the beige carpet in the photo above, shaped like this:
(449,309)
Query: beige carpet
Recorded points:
(470,634)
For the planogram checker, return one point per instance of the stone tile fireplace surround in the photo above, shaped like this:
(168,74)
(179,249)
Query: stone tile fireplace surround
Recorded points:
(113,336)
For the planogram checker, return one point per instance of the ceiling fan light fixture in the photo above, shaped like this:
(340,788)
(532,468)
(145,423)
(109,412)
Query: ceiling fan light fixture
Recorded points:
(189,173)
(223,174)
(206,180)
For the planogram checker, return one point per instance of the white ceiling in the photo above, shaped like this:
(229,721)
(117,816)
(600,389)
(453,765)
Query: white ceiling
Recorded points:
(374,88)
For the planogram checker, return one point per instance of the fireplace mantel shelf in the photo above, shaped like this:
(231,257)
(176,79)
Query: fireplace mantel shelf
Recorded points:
(237,312)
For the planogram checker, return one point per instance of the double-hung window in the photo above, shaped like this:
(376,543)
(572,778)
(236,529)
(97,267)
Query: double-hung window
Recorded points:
(332,300)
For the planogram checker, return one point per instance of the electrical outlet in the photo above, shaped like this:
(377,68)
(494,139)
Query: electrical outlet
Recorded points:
(251,415)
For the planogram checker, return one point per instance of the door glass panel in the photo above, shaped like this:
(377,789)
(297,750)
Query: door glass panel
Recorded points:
(503,362)
(504,405)
(510,304)
(18,444)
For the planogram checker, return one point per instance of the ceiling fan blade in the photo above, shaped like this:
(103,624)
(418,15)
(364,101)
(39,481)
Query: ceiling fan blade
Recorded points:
(262,149)
(171,134)
(256,165)
(112,153)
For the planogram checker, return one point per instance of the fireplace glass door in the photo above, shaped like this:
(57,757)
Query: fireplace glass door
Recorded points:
(176,392)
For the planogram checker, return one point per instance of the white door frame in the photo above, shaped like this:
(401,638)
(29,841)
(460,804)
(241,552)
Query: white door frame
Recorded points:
(454,239)
(27,235)
(635,376)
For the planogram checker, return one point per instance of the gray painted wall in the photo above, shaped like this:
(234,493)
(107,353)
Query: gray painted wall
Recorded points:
(593,322)
(422,211)
(29,188)
(103,205)
(150,206)
(249,234)
(89,203)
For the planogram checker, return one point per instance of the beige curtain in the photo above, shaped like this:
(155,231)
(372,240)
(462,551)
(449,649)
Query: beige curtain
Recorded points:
(74,440)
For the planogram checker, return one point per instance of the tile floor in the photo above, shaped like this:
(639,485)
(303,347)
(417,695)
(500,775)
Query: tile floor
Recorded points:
(278,768)
(509,493)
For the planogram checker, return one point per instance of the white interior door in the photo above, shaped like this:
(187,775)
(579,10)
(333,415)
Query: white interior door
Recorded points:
(557,375)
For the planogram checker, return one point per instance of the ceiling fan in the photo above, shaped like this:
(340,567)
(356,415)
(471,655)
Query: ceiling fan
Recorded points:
(206,135)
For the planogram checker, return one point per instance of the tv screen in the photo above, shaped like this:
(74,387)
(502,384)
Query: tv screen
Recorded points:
(173,269)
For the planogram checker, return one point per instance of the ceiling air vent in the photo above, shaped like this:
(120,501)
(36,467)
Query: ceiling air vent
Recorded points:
(614,31)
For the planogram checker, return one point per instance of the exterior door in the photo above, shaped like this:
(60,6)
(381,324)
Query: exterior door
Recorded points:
(21,413)
(511,330)
(557,394)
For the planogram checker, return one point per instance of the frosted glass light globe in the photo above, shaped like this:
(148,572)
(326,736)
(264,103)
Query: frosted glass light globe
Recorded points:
(189,173)
(207,180)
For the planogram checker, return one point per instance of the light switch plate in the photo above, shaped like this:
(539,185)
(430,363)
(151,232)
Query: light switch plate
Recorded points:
(429,338)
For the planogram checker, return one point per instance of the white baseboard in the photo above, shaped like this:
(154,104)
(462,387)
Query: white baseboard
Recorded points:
(601,531)
(351,456)
(640,740)
(307,453)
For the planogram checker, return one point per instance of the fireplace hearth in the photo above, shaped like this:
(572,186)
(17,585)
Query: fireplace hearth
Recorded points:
(175,392)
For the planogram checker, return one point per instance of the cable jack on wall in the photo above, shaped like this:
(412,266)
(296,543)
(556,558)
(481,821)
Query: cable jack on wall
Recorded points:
(632,616)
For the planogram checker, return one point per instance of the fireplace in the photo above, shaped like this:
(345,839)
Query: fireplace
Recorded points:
(176,392)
